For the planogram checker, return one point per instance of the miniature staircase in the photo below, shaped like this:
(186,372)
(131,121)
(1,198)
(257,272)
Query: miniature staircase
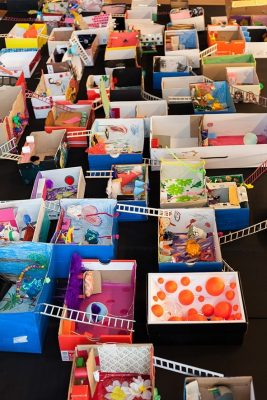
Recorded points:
(183,369)
(250,230)
(6,148)
(150,212)
(48,100)
(262,169)
(74,41)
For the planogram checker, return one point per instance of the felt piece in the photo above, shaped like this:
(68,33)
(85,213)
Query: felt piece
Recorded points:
(75,285)
(91,283)
(62,119)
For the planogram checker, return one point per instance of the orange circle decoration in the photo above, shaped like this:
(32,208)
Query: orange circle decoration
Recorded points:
(213,318)
(171,286)
(185,281)
(155,298)
(160,281)
(161,295)
(186,297)
(157,310)
(223,309)
(175,318)
(191,311)
(208,310)
(215,286)
(235,307)
(230,294)
(199,288)
(201,299)
(232,285)
(197,317)
(238,316)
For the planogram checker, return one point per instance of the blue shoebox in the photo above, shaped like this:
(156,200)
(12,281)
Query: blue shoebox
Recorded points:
(188,241)
(230,215)
(22,327)
(168,67)
(88,227)
(129,181)
(115,140)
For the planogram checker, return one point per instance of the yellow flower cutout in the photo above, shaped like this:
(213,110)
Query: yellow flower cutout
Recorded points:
(118,394)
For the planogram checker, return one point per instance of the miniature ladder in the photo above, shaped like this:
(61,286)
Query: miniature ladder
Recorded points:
(208,52)
(185,99)
(151,212)
(257,173)
(84,317)
(250,230)
(6,148)
(226,267)
(147,96)
(261,101)
(183,369)
(75,134)
(84,56)
(99,174)
(30,95)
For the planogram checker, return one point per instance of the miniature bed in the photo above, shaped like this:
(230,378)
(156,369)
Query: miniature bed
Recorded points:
(223,140)
(26,36)
(183,42)
(196,308)
(87,226)
(26,273)
(169,66)
(212,97)
(229,39)
(241,387)
(124,369)
(42,151)
(60,86)
(129,185)
(188,241)
(99,290)
(23,220)
(17,60)
(120,139)
(182,183)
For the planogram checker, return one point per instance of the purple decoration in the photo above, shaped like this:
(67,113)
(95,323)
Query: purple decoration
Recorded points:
(49,184)
(62,192)
(75,285)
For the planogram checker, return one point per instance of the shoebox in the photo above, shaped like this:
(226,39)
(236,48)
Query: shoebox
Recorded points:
(214,67)
(126,79)
(169,66)
(86,226)
(256,43)
(78,119)
(110,65)
(141,12)
(212,97)
(138,109)
(196,308)
(26,36)
(61,86)
(122,45)
(20,60)
(101,25)
(183,42)
(245,7)
(42,151)
(182,184)
(223,140)
(150,33)
(188,241)
(59,37)
(92,86)
(23,220)
(129,185)
(76,64)
(112,9)
(241,387)
(120,140)
(54,7)
(130,364)
(227,195)
(244,79)
(189,16)
(103,292)
(14,113)
(90,5)
(55,64)
(10,80)
(90,44)
(56,184)
(179,86)
(27,270)
(229,39)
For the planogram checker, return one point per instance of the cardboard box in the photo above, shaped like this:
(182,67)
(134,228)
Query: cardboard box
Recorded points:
(120,140)
(56,184)
(13,113)
(214,67)
(256,44)
(175,253)
(229,39)
(113,281)
(169,321)
(240,386)
(92,235)
(22,327)
(20,60)
(129,185)
(58,119)
(150,33)
(15,38)
(92,86)
(121,45)
(244,79)
(119,360)
(42,151)
(169,66)
(89,42)
(186,136)
(61,86)
(186,16)
(59,37)
(179,86)
(182,184)
(52,7)
(183,42)
(228,196)
(101,27)
(244,7)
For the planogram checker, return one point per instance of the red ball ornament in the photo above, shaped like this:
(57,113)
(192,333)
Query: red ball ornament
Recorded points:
(208,310)
(69,180)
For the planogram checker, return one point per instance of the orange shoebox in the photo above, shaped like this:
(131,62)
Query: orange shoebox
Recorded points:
(229,39)
(116,293)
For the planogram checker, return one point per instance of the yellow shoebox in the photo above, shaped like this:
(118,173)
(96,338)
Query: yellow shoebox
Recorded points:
(15,37)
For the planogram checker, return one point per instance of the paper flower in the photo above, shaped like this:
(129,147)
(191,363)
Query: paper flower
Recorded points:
(117,391)
(141,388)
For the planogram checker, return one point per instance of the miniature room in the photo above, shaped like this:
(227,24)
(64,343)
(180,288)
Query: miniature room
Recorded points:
(212,97)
